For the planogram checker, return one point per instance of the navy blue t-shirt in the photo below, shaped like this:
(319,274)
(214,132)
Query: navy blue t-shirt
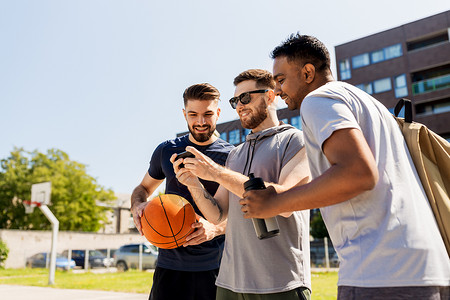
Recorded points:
(206,256)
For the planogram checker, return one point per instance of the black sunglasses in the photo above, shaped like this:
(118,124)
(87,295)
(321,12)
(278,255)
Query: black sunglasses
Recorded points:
(245,98)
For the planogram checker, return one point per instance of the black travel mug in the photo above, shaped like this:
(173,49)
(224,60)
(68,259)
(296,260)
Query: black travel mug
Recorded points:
(264,228)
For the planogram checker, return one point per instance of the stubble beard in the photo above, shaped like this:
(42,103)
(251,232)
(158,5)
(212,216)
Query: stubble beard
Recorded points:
(257,118)
(201,137)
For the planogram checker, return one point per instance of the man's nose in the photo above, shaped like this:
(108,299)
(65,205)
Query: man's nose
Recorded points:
(201,120)
(277,89)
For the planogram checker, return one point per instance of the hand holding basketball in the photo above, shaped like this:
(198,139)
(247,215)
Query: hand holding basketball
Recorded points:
(166,221)
(204,231)
(137,211)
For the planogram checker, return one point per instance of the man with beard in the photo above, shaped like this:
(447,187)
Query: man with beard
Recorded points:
(273,268)
(364,182)
(187,272)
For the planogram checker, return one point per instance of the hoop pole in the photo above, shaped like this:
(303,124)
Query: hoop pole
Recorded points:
(55,227)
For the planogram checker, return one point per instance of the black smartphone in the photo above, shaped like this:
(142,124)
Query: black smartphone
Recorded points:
(184,154)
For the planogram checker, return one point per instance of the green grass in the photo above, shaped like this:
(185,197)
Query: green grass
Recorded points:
(132,281)
(323,284)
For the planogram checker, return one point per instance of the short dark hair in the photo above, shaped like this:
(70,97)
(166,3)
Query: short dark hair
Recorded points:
(305,48)
(263,78)
(201,91)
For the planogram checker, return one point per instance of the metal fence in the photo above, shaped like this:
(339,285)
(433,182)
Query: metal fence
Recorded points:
(323,254)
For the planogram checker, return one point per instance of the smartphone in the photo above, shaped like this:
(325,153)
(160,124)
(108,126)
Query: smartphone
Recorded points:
(184,154)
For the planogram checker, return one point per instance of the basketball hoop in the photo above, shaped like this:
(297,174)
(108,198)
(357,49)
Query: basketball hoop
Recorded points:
(41,192)
(30,205)
(40,197)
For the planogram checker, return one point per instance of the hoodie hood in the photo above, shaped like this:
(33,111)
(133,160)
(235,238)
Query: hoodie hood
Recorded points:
(268,132)
(253,138)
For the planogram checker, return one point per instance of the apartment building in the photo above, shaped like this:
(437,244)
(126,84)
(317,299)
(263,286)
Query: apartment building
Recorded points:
(410,61)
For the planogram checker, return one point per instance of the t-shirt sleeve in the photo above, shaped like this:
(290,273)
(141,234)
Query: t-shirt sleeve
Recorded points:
(230,156)
(322,116)
(155,169)
(294,144)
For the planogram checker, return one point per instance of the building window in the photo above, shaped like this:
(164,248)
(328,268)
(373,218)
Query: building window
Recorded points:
(401,89)
(366,59)
(296,122)
(429,41)
(366,87)
(401,114)
(393,51)
(377,56)
(442,107)
(244,133)
(233,137)
(223,136)
(360,60)
(431,108)
(430,85)
(382,85)
(344,68)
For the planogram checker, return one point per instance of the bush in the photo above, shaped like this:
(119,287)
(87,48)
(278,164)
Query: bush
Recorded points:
(3,253)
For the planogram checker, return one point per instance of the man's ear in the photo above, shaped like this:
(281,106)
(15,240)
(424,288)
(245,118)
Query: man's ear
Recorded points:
(218,112)
(184,113)
(271,97)
(309,71)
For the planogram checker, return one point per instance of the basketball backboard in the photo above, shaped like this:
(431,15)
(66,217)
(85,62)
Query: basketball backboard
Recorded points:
(41,192)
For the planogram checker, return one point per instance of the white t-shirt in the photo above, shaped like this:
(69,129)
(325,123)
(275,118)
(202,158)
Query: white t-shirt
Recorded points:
(387,236)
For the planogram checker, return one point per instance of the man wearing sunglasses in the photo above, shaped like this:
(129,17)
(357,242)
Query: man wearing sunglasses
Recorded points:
(272,268)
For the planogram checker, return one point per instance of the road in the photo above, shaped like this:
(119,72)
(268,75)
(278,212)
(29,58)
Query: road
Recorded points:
(20,292)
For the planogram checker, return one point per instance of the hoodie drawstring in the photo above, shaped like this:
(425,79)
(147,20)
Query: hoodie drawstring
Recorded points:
(248,155)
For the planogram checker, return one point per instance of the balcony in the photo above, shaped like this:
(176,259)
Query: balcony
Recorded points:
(431,85)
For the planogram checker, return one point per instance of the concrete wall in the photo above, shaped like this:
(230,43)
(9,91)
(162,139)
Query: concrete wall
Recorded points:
(24,243)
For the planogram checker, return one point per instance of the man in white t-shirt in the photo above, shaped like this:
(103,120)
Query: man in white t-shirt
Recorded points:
(364,181)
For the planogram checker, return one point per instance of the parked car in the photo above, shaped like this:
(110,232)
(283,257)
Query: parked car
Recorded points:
(127,256)
(111,254)
(105,252)
(42,260)
(96,258)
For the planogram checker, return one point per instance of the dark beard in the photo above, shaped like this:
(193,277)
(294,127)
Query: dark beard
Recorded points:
(259,116)
(202,137)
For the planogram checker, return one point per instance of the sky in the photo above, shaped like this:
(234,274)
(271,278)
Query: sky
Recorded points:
(102,80)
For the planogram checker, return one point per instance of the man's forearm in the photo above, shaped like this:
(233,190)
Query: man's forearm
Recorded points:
(234,182)
(139,195)
(231,180)
(334,186)
(210,208)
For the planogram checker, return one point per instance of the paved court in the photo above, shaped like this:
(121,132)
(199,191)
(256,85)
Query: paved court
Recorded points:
(19,292)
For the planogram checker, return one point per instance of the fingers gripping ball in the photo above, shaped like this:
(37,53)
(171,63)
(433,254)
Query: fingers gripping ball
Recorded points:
(167,220)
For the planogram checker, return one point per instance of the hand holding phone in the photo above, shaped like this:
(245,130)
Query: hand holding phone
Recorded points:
(184,154)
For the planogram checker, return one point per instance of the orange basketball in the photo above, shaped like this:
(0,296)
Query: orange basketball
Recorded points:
(167,220)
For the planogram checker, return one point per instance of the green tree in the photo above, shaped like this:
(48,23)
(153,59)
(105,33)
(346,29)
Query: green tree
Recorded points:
(74,197)
(4,250)
(318,228)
